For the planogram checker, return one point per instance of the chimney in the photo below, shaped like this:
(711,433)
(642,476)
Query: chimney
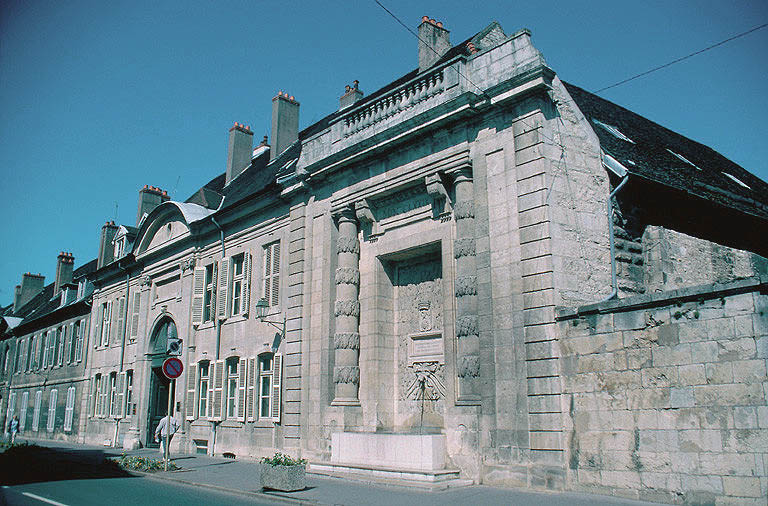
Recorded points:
(432,35)
(106,248)
(65,264)
(239,151)
(285,123)
(31,285)
(351,95)
(149,198)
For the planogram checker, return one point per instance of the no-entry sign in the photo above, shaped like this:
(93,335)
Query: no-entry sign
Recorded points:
(172,368)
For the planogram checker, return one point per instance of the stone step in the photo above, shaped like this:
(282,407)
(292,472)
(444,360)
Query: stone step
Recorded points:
(440,479)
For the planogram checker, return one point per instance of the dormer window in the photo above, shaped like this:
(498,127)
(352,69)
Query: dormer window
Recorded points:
(119,247)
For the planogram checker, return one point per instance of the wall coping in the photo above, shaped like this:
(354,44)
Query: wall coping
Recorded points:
(666,298)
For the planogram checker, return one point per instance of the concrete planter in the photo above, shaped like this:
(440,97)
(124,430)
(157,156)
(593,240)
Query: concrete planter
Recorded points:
(284,478)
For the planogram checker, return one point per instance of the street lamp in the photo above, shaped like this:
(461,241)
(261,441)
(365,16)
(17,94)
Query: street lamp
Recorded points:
(262,308)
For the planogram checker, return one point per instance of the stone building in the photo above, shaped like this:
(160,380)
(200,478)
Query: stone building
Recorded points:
(477,272)
(43,353)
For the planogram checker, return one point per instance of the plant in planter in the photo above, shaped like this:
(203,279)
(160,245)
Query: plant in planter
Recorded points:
(282,472)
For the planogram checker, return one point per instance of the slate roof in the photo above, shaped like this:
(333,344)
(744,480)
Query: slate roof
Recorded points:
(44,302)
(660,155)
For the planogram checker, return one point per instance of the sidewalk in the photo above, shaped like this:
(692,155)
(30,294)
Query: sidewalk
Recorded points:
(241,476)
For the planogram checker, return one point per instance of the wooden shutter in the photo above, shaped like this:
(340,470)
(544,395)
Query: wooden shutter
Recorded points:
(245,292)
(211,375)
(277,368)
(53,395)
(69,410)
(241,389)
(214,289)
(51,347)
(135,315)
(276,275)
(120,319)
(221,304)
(198,294)
(97,326)
(36,414)
(267,273)
(250,386)
(92,397)
(112,320)
(120,395)
(61,345)
(190,404)
(218,390)
(69,349)
(22,355)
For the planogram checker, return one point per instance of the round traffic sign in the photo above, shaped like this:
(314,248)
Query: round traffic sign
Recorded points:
(172,368)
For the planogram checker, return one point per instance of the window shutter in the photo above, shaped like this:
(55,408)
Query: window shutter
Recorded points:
(241,389)
(191,405)
(22,355)
(221,304)
(79,341)
(97,326)
(135,315)
(70,408)
(92,397)
(120,319)
(211,377)
(277,367)
(23,411)
(62,342)
(251,386)
(51,347)
(198,293)
(276,275)
(70,349)
(218,390)
(52,409)
(36,414)
(120,395)
(112,314)
(214,289)
(246,290)
(267,273)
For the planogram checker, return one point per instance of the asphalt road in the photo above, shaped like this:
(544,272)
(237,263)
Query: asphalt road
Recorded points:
(116,492)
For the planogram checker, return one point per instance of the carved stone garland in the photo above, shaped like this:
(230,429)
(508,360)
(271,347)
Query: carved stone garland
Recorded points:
(468,346)
(346,371)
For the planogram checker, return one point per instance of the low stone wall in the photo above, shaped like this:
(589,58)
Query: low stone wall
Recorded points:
(664,395)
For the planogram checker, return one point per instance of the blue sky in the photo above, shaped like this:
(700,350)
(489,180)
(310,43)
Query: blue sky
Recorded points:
(100,98)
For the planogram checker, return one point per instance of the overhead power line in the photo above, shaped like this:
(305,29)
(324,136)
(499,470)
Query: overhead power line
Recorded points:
(678,60)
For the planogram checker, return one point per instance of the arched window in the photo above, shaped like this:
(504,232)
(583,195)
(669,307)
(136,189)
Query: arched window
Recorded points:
(163,331)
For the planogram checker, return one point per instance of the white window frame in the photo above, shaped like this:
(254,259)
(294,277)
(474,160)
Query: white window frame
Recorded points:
(69,410)
(23,411)
(238,266)
(112,395)
(128,391)
(62,333)
(80,328)
(265,389)
(36,412)
(106,323)
(203,388)
(232,382)
(209,293)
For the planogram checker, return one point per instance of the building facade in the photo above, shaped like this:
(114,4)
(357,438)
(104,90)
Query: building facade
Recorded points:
(469,274)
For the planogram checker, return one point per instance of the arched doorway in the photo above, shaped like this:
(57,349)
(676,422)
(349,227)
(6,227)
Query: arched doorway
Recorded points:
(159,385)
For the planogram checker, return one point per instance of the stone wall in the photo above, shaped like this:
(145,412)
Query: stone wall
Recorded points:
(666,394)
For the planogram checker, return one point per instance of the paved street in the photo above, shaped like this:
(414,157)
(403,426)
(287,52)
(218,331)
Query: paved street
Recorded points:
(72,475)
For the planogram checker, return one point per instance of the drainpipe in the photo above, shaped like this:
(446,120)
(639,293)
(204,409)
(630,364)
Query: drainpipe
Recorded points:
(122,343)
(218,334)
(611,239)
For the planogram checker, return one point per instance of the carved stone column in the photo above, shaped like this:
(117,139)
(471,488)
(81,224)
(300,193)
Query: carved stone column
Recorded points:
(468,347)
(346,371)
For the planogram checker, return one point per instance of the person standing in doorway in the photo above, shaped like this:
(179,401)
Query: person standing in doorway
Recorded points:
(165,431)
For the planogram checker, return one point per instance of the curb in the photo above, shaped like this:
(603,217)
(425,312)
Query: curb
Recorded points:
(261,495)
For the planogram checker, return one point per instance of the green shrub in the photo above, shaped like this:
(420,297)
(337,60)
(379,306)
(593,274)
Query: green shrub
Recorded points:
(281,459)
(145,464)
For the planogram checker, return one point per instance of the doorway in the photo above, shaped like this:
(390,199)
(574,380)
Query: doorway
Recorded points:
(159,385)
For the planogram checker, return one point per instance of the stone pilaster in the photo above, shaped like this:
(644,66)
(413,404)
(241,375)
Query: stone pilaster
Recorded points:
(346,341)
(468,346)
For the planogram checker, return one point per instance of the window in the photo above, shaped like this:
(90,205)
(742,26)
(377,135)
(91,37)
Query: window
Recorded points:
(79,332)
(23,411)
(271,272)
(11,405)
(135,316)
(52,409)
(208,300)
(31,353)
(233,379)
(119,247)
(105,311)
(128,392)
(42,352)
(69,410)
(61,337)
(19,355)
(73,328)
(203,384)
(265,386)
(112,394)
(96,395)
(36,413)
(51,344)
(6,357)
(237,283)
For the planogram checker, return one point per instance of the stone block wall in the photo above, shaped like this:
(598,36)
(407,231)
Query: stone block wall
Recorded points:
(665,395)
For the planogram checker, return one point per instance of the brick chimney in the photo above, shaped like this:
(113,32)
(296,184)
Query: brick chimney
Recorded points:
(106,248)
(432,35)
(239,151)
(31,285)
(65,265)
(149,198)
(351,95)
(285,123)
